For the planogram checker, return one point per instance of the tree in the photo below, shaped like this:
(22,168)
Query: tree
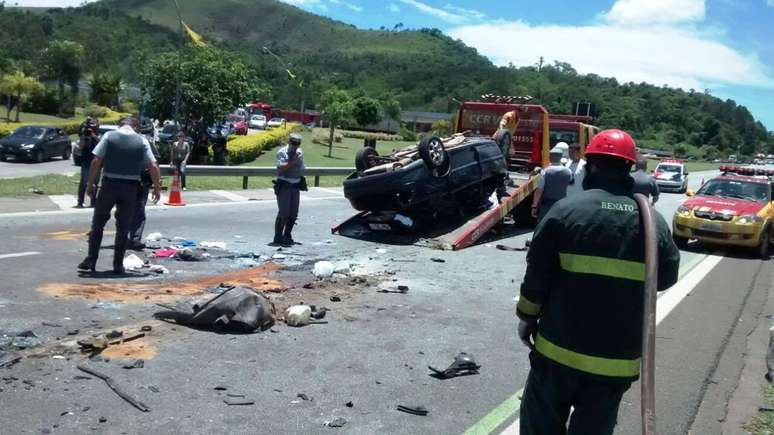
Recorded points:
(105,88)
(366,111)
(62,62)
(212,83)
(20,86)
(336,107)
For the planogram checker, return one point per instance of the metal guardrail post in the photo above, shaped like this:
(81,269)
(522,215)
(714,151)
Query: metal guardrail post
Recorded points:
(316,181)
(244,182)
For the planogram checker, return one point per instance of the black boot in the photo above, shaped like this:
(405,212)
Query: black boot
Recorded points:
(87,265)
(279,224)
(287,238)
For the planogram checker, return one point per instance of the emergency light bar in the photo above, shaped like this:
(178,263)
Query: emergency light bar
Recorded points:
(746,171)
(671,161)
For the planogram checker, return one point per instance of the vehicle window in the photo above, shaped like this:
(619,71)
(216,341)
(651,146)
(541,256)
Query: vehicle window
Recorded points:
(758,192)
(568,137)
(169,129)
(668,168)
(31,132)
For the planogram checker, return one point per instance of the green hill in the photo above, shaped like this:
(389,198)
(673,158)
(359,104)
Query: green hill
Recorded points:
(424,69)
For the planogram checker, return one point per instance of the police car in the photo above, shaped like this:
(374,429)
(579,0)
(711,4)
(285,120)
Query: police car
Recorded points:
(733,209)
(671,176)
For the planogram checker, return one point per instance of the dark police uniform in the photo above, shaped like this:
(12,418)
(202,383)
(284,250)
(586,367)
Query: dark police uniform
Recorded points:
(125,154)
(645,184)
(554,181)
(287,189)
(88,140)
(585,282)
(137,226)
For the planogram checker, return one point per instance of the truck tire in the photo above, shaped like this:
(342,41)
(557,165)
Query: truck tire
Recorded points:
(365,159)
(764,248)
(504,139)
(434,155)
(681,242)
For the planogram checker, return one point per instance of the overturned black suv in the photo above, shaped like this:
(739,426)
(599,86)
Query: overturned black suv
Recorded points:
(454,175)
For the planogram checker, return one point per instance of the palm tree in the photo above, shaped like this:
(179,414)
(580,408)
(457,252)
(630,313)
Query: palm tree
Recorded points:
(105,88)
(21,86)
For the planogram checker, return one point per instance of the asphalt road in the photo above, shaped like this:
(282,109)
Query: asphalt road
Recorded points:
(373,352)
(23,168)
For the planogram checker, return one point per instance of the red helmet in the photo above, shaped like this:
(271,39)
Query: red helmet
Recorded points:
(616,143)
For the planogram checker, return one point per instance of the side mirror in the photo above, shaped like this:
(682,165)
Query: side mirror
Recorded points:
(690,192)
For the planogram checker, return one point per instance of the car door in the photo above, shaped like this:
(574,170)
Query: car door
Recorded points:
(62,141)
(49,143)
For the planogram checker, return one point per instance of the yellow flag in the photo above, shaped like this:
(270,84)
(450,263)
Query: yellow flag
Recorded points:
(196,38)
(292,76)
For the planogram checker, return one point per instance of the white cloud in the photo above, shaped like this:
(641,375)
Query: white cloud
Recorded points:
(478,15)
(770,3)
(395,8)
(649,46)
(638,12)
(351,6)
(441,14)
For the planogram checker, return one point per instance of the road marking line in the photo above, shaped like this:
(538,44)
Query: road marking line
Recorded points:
(64,202)
(228,195)
(335,192)
(19,254)
(498,415)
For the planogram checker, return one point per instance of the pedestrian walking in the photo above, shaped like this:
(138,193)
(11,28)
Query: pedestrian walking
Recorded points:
(88,139)
(644,183)
(137,227)
(552,185)
(577,167)
(290,181)
(581,302)
(179,155)
(123,154)
(219,147)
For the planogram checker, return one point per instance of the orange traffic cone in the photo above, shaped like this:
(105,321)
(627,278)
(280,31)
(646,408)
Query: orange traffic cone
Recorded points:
(175,195)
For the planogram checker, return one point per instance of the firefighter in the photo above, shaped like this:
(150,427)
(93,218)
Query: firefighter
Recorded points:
(581,302)
(510,121)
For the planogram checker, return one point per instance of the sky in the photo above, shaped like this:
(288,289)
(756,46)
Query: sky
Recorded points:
(723,46)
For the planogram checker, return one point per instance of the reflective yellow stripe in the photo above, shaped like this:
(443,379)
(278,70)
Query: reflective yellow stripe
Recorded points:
(623,368)
(604,266)
(528,307)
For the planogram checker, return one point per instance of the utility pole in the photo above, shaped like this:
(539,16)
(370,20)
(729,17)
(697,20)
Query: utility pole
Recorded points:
(179,64)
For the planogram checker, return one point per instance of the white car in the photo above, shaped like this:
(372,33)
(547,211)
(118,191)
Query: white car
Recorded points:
(671,175)
(257,121)
(276,123)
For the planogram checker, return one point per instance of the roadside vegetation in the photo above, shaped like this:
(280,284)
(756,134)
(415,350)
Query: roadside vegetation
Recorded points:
(763,423)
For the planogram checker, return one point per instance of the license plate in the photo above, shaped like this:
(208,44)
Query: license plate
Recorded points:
(380,227)
(710,226)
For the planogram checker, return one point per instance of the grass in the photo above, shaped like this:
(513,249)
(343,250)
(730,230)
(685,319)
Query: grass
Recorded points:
(763,423)
(38,118)
(692,166)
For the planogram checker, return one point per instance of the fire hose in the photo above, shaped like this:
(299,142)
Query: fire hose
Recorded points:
(647,371)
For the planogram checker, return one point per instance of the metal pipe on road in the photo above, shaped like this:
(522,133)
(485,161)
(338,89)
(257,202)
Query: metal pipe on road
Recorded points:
(255,171)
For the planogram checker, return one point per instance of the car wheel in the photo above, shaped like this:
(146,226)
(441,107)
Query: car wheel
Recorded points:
(66,153)
(503,138)
(2,158)
(365,159)
(40,156)
(434,155)
(681,242)
(764,248)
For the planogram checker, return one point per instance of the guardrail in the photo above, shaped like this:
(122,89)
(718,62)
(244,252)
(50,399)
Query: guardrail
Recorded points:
(254,171)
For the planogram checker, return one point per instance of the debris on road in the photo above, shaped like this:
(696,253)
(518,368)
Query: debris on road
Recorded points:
(438,260)
(298,315)
(189,254)
(153,237)
(323,269)
(157,268)
(51,325)
(8,359)
(336,422)
(18,340)
(239,309)
(246,262)
(216,245)
(109,381)
(413,409)
(335,298)
(136,364)
(304,397)
(133,262)
(164,253)
(511,248)
(390,288)
(463,365)
(231,401)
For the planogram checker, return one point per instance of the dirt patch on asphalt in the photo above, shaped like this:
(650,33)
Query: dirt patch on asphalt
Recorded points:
(70,235)
(164,292)
(137,349)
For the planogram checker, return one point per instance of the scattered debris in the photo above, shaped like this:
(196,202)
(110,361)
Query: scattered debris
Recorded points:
(136,364)
(164,253)
(319,314)
(323,269)
(157,268)
(52,325)
(230,401)
(463,365)
(511,248)
(381,251)
(298,315)
(36,191)
(7,359)
(438,260)
(349,404)
(109,381)
(246,262)
(58,357)
(335,298)
(220,388)
(336,422)
(216,245)
(188,254)
(343,268)
(239,309)
(133,262)
(279,256)
(112,335)
(304,397)
(102,420)
(146,328)
(220,288)
(388,288)
(179,241)
(153,388)
(18,340)
(74,332)
(413,409)
(153,237)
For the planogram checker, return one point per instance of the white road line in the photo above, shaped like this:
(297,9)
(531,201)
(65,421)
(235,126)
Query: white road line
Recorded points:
(667,302)
(335,192)
(19,254)
(158,207)
(64,202)
(230,196)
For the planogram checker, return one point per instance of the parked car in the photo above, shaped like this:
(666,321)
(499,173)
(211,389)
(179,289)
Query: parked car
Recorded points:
(36,143)
(236,123)
(76,149)
(212,130)
(275,123)
(671,175)
(168,133)
(421,181)
(257,121)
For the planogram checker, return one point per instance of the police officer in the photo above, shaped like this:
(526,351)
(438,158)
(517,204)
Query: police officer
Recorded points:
(644,182)
(123,154)
(137,227)
(290,166)
(219,147)
(581,302)
(552,185)
(88,139)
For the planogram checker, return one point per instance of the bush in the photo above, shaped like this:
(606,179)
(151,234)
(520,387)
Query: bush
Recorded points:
(95,111)
(407,134)
(321,136)
(243,149)
(129,106)
(368,135)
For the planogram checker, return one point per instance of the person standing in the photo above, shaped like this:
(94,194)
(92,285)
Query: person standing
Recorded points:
(123,154)
(644,183)
(577,168)
(289,183)
(180,153)
(581,299)
(219,147)
(552,185)
(137,227)
(88,139)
